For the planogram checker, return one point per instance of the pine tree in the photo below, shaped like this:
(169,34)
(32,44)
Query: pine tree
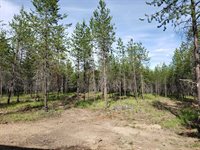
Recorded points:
(180,13)
(82,52)
(121,50)
(45,20)
(103,33)
(19,40)
(137,56)
(5,58)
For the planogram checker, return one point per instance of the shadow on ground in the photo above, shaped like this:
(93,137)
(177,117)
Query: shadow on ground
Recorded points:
(8,147)
(187,111)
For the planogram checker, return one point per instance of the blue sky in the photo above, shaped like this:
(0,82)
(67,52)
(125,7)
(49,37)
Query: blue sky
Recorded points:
(126,14)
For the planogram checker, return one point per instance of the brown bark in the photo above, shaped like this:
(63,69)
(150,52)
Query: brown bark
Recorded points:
(45,66)
(36,87)
(63,84)
(142,86)
(156,88)
(165,87)
(9,96)
(45,88)
(196,48)
(58,84)
(88,85)
(78,78)
(124,83)
(94,82)
(84,76)
(1,84)
(120,82)
(104,80)
(135,82)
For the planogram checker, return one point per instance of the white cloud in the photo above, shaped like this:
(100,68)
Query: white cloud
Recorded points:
(7,10)
(75,9)
(162,50)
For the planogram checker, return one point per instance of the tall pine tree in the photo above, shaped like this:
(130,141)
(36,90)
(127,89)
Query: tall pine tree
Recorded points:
(104,36)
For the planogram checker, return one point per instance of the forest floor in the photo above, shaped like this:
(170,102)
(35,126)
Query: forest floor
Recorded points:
(149,124)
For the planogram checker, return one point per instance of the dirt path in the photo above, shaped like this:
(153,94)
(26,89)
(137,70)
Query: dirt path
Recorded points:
(84,129)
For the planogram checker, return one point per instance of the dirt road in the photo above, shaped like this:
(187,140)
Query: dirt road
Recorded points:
(86,129)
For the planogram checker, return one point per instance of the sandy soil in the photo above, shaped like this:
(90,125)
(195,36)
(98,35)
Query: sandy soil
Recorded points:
(82,129)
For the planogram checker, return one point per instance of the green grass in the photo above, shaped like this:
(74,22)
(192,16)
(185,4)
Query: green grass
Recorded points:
(91,104)
(151,110)
(29,110)
(29,116)
(195,145)
(173,123)
(187,115)
(143,110)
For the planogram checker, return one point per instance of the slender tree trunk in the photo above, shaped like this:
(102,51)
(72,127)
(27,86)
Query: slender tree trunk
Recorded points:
(85,82)
(142,86)
(124,83)
(94,82)
(9,96)
(45,66)
(10,91)
(45,88)
(63,84)
(58,85)
(120,82)
(15,68)
(120,89)
(196,48)
(66,84)
(156,88)
(78,78)
(36,86)
(11,87)
(165,87)
(88,85)
(105,81)
(135,82)
(1,84)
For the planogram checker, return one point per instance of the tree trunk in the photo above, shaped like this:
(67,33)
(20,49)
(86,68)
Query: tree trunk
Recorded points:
(59,84)
(196,48)
(151,89)
(1,84)
(10,91)
(85,82)
(120,89)
(156,88)
(105,81)
(45,88)
(124,83)
(9,96)
(142,86)
(94,82)
(88,85)
(135,82)
(165,87)
(45,64)
(120,82)
(63,84)
(78,78)
(36,87)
